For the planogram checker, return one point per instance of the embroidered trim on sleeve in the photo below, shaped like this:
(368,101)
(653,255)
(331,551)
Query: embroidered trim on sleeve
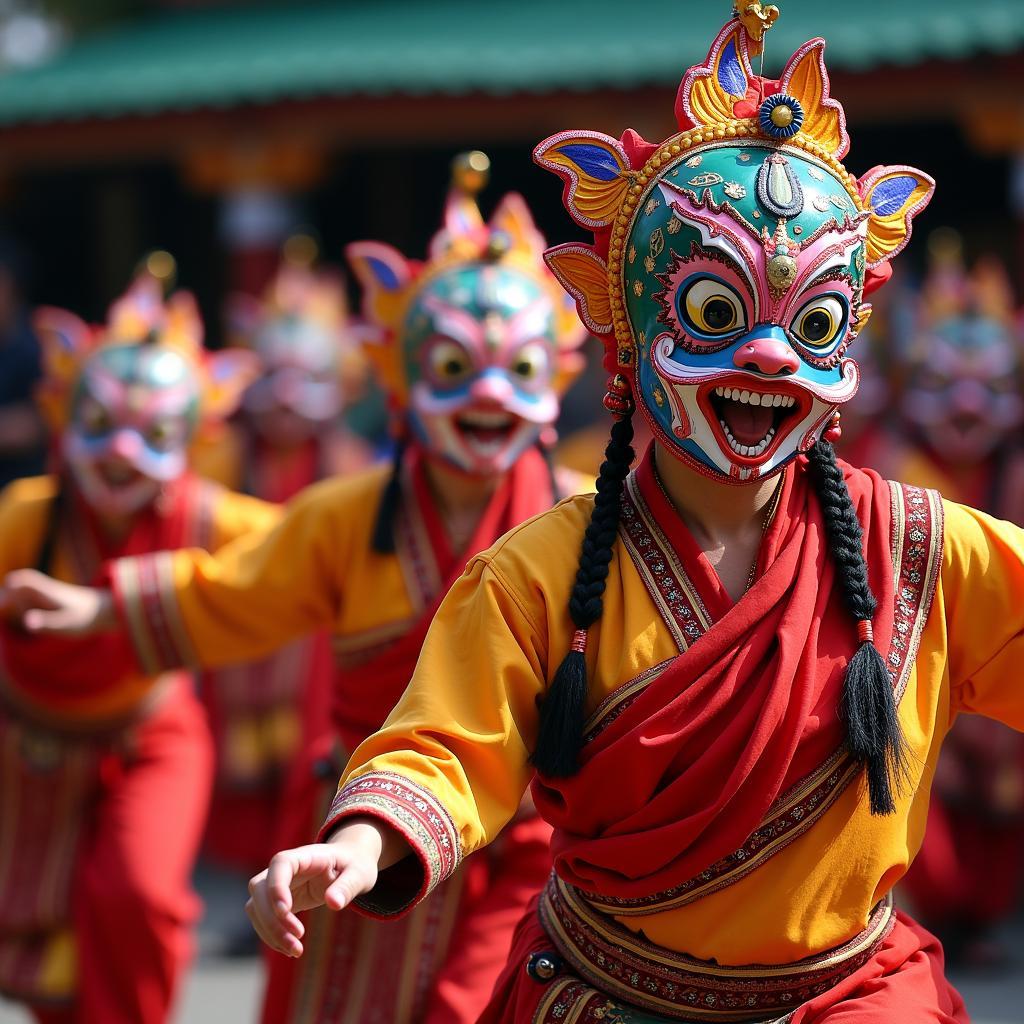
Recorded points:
(422,821)
(147,605)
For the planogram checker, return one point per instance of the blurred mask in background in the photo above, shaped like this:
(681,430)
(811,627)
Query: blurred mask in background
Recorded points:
(301,335)
(124,400)
(476,345)
(963,392)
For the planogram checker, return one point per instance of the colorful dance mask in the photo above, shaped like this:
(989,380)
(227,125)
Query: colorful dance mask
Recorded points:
(300,334)
(125,400)
(476,344)
(964,379)
(731,261)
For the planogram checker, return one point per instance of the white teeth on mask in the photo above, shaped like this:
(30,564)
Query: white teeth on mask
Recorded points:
(487,420)
(486,449)
(755,398)
(751,451)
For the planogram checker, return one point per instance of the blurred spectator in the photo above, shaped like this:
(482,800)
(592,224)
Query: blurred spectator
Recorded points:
(22,439)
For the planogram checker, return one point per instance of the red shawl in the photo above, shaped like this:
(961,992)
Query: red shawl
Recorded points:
(364,697)
(686,773)
(68,676)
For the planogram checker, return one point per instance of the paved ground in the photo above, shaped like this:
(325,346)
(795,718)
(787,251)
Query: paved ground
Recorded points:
(225,990)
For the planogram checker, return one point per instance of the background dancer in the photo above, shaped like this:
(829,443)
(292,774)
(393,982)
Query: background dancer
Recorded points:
(475,345)
(105,770)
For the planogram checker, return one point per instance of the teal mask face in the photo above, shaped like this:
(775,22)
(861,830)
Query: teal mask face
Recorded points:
(743,284)
(479,348)
(134,411)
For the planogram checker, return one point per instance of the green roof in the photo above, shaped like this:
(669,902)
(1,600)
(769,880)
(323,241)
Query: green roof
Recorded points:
(259,54)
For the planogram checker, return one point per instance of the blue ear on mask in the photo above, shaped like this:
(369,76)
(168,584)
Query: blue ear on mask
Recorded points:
(379,267)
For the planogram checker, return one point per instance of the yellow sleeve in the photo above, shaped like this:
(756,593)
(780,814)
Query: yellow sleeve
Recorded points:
(235,515)
(449,766)
(24,511)
(263,589)
(983,603)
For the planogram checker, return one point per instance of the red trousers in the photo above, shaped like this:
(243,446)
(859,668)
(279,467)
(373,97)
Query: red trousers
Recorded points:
(282,696)
(903,982)
(969,869)
(133,905)
(437,965)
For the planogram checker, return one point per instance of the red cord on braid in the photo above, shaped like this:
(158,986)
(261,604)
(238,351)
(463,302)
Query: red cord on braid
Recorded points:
(865,633)
(579,642)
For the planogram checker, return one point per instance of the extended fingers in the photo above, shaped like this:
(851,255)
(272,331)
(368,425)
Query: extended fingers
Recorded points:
(351,882)
(276,925)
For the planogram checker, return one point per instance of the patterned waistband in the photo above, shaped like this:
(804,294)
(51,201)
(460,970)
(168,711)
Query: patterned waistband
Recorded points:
(652,978)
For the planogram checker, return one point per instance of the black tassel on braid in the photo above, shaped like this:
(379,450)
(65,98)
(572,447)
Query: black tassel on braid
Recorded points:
(869,706)
(384,528)
(560,736)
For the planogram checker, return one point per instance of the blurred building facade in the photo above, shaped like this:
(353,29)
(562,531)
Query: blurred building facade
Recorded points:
(216,129)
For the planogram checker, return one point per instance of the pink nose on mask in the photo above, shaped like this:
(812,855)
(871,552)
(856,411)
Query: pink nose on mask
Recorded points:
(127,445)
(491,388)
(969,396)
(769,356)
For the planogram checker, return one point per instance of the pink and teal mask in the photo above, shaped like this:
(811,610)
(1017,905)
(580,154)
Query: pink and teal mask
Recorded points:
(481,359)
(963,395)
(124,401)
(133,413)
(731,262)
(300,332)
(476,345)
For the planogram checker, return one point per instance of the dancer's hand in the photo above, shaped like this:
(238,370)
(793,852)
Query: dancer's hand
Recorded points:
(332,874)
(48,607)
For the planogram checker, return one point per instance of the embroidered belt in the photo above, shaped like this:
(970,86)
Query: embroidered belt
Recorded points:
(623,965)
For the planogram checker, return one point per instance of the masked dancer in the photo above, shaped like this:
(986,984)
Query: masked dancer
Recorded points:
(105,769)
(964,412)
(474,346)
(733,668)
(289,436)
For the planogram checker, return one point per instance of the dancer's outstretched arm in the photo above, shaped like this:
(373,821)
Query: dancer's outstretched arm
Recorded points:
(333,873)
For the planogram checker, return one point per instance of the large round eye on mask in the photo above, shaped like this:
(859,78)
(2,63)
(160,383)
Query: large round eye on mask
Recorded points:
(93,418)
(532,361)
(449,362)
(165,435)
(711,308)
(819,322)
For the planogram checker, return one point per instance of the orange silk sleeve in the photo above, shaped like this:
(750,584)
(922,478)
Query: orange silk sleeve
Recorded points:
(983,588)
(450,764)
(266,587)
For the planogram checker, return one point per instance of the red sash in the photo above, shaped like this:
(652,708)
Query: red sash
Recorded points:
(683,774)
(63,676)
(367,693)
(277,476)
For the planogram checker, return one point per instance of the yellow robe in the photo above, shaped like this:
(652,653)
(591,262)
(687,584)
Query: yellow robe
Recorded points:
(24,511)
(459,752)
(313,569)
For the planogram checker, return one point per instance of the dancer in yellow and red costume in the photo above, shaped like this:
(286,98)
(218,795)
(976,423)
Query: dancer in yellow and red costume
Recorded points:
(733,668)
(474,347)
(290,435)
(105,769)
(963,410)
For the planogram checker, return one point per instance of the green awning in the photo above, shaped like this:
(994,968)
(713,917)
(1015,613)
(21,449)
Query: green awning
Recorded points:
(262,54)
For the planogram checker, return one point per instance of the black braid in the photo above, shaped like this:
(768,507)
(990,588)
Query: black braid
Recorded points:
(869,706)
(549,461)
(560,736)
(48,545)
(384,528)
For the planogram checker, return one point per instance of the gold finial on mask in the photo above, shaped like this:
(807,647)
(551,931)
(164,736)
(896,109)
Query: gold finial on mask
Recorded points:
(757,19)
